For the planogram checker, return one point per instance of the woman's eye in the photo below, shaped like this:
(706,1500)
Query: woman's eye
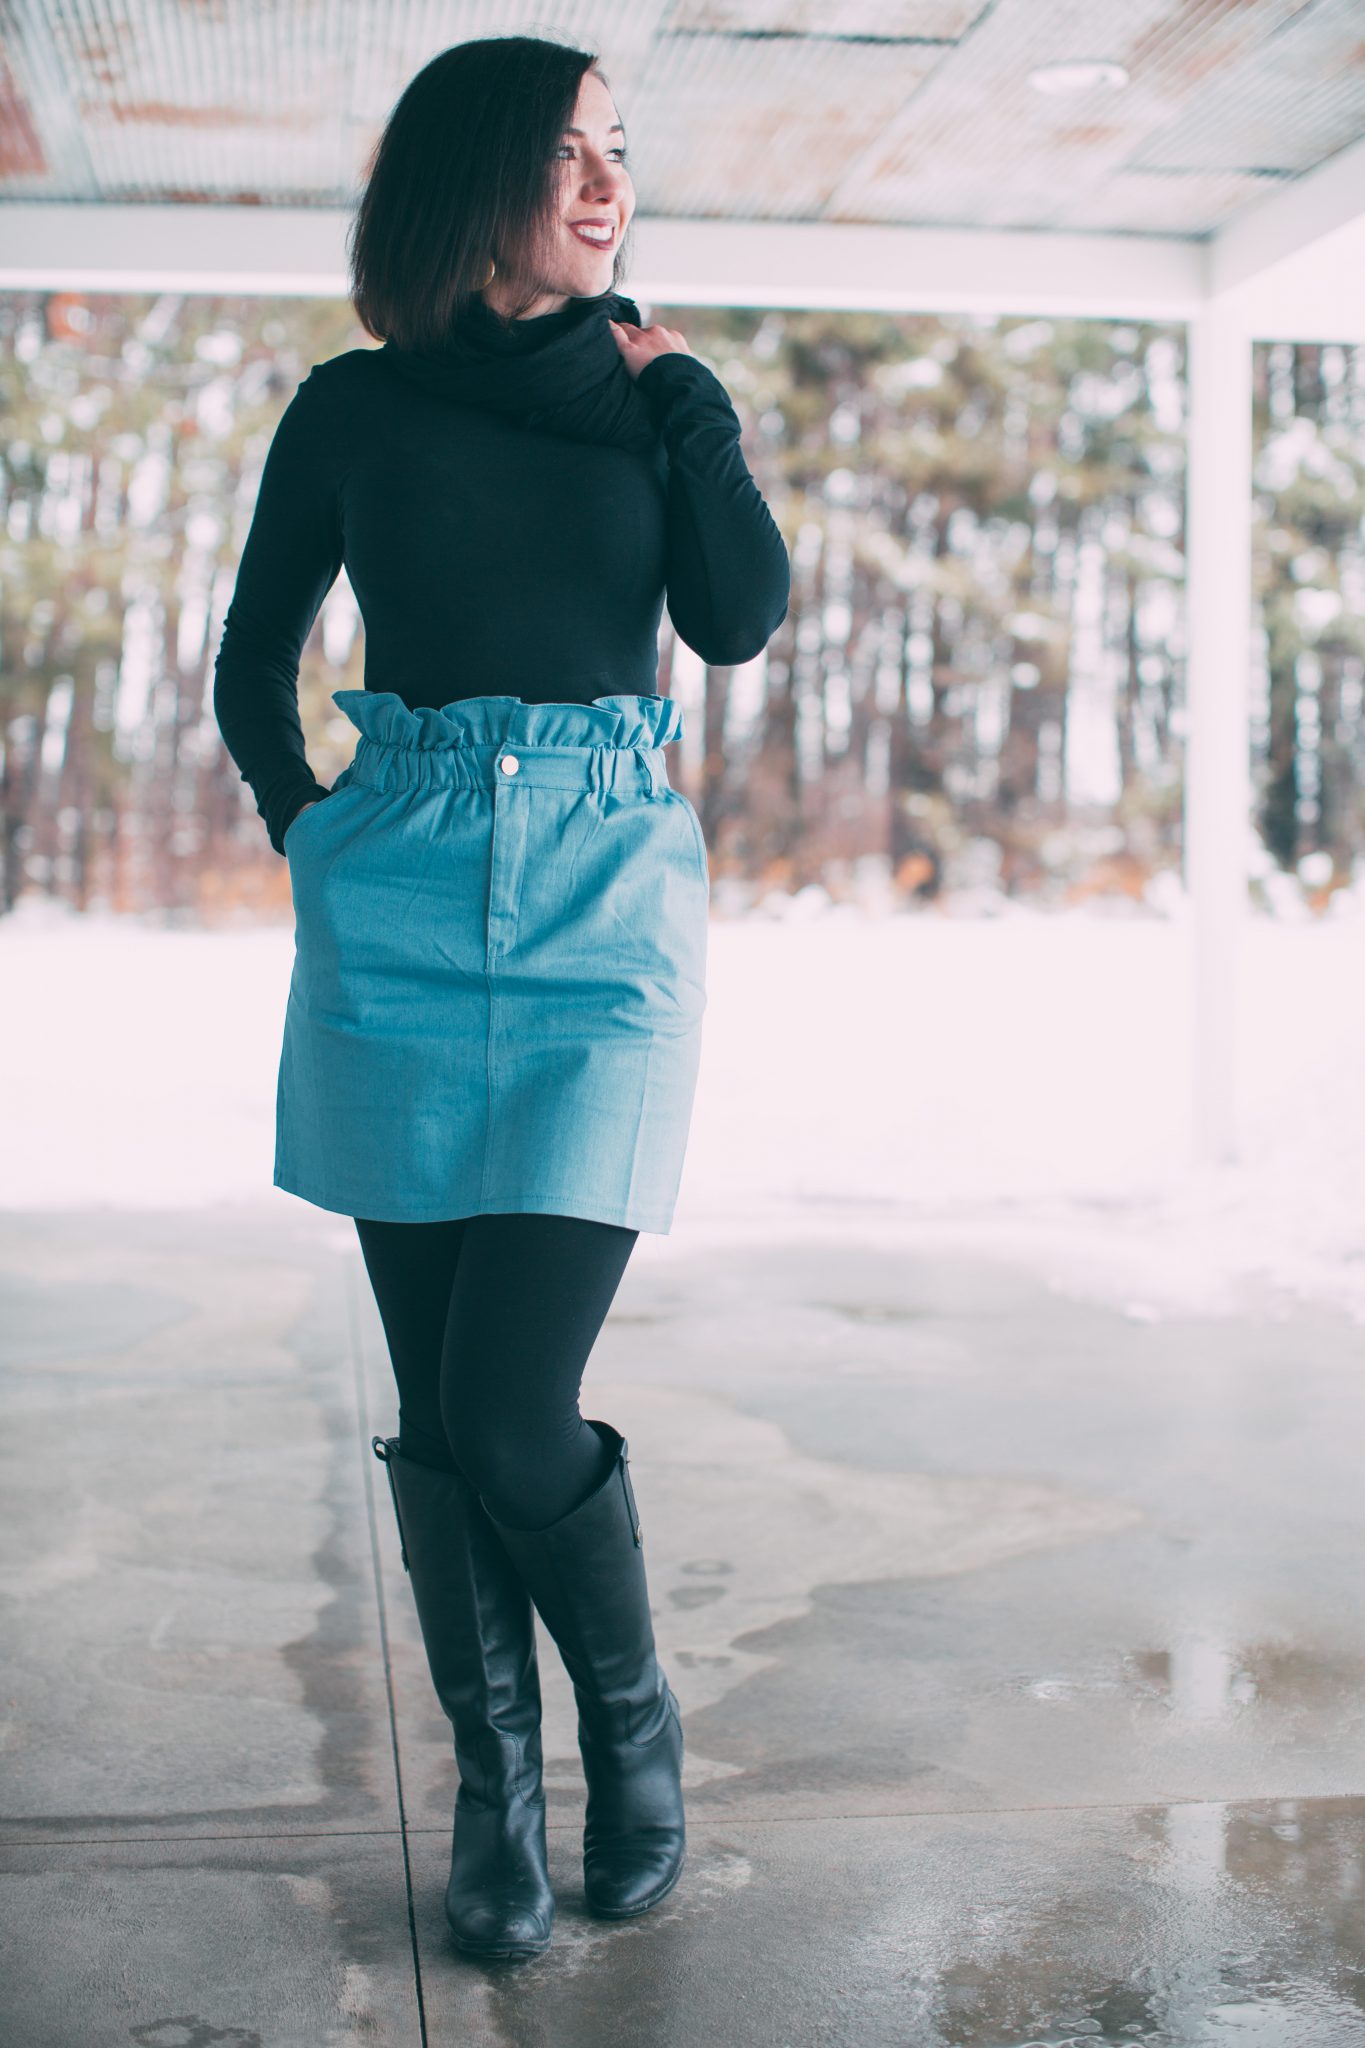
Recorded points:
(618,149)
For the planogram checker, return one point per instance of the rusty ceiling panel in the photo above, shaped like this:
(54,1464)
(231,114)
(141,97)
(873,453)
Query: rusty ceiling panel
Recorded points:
(1283,105)
(980,145)
(938,21)
(40,103)
(1146,203)
(730,123)
(197,99)
(395,38)
(914,111)
(21,151)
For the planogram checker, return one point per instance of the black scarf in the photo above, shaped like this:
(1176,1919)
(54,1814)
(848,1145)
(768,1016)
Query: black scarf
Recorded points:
(559,373)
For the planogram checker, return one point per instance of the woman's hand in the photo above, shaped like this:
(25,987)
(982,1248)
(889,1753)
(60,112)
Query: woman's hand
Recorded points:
(640,345)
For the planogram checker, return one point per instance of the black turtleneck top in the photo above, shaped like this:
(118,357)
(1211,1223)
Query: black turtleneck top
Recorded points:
(488,556)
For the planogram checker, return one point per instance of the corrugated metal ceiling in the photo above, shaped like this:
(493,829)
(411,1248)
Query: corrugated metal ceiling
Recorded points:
(916,112)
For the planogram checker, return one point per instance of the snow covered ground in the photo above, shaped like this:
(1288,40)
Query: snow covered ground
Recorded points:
(1014,1085)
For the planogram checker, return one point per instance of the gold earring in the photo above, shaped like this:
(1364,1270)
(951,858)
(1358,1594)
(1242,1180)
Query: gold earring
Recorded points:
(492,267)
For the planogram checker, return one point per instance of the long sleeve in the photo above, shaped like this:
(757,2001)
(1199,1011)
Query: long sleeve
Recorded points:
(292,557)
(728,576)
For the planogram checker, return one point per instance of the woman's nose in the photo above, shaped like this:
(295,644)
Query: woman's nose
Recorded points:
(608,180)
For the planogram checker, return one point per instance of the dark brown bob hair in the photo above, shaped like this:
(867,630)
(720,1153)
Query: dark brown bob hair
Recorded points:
(466,168)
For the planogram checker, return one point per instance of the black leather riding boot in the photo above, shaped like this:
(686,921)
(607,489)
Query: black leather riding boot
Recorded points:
(479,1632)
(586,1574)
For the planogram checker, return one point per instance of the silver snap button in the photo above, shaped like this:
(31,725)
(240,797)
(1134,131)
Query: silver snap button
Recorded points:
(509,764)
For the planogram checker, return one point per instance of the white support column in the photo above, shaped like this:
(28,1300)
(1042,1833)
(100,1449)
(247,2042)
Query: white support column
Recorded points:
(1218,768)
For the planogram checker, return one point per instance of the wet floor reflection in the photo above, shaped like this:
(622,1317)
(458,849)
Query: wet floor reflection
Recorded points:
(1201,1924)
(1179,1926)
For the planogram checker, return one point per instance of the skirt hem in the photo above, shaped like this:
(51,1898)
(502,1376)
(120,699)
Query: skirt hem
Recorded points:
(656,1222)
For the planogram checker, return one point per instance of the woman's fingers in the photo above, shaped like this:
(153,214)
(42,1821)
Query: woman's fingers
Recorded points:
(641,344)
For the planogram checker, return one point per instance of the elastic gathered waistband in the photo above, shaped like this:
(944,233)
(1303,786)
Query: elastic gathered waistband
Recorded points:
(613,743)
(381,766)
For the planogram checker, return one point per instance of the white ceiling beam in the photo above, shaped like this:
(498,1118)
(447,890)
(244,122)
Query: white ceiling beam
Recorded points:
(916,270)
(73,247)
(1309,209)
(1293,269)
(60,246)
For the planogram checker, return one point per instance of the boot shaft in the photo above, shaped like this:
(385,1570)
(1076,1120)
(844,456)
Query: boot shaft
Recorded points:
(586,1575)
(477,1623)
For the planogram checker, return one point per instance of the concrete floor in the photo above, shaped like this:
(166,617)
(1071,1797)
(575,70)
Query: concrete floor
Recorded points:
(1019,1644)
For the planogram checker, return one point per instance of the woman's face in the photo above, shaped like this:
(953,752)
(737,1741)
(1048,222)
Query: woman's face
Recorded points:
(595,199)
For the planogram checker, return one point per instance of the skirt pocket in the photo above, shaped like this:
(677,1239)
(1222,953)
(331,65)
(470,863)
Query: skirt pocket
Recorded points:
(302,822)
(307,820)
(698,836)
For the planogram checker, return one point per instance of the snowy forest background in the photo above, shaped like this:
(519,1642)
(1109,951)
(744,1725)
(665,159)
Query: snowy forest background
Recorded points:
(976,699)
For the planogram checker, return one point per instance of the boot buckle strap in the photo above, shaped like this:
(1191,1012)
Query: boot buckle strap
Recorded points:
(630,1497)
(380,1446)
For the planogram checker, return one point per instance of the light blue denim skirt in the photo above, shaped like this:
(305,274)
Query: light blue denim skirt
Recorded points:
(500,964)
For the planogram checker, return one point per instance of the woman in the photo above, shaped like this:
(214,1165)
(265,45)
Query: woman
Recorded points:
(493,1027)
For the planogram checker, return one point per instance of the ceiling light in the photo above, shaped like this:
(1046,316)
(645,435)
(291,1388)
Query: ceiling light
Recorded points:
(1077,77)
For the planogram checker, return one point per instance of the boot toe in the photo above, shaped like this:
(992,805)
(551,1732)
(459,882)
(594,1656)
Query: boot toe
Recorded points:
(621,1881)
(491,1927)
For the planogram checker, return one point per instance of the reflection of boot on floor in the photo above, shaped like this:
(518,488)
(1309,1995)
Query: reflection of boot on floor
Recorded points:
(586,1574)
(479,1630)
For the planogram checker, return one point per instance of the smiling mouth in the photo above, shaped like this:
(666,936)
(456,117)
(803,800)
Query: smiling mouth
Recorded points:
(600,239)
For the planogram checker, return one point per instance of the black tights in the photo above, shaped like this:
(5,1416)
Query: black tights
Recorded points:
(489,1322)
